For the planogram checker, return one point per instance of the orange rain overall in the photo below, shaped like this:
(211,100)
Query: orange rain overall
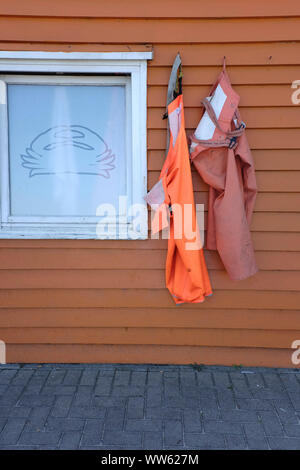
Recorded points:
(222,157)
(186,274)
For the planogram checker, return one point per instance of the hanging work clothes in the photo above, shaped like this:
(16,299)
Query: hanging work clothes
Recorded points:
(172,197)
(222,157)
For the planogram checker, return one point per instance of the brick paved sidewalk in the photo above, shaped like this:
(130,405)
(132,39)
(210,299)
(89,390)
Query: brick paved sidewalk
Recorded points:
(115,406)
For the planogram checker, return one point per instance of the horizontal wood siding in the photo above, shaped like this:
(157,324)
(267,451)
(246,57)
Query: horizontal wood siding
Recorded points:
(105,301)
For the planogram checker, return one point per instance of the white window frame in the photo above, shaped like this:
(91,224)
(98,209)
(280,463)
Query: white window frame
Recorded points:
(60,67)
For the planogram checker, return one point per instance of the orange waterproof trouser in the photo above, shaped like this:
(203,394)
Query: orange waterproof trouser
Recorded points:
(186,273)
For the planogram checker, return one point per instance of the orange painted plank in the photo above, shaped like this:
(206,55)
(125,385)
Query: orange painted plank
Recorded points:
(152,336)
(258,53)
(257,138)
(86,298)
(150,317)
(255,118)
(145,31)
(153,9)
(274,53)
(268,181)
(251,95)
(148,354)
(239,75)
(267,159)
(265,202)
(269,221)
(263,241)
(22,258)
(137,279)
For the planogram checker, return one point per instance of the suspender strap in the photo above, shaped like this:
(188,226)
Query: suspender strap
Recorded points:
(236,133)
(174,89)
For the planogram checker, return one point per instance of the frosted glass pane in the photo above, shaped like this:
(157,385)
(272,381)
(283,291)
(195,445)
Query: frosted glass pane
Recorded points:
(66,148)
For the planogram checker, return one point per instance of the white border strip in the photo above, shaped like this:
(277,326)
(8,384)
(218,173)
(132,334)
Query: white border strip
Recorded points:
(76,55)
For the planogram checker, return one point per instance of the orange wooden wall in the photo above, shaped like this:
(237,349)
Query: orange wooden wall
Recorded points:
(105,301)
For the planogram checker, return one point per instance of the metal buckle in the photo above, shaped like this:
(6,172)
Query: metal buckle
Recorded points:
(232,143)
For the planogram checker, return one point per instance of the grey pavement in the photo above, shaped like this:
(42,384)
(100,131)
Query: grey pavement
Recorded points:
(117,406)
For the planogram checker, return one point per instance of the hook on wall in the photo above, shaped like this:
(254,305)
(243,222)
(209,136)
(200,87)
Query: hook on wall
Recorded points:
(224,62)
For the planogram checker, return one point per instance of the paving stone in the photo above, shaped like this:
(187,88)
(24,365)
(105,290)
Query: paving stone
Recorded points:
(115,418)
(255,443)
(36,400)
(224,427)
(286,412)
(83,395)
(37,419)
(209,407)
(108,402)
(91,438)
(116,406)
(39,377)
(72,377)
(22,377)
(267,394)
(155,378)
(171,386)
(295,399)
(255,381)
(64,424)
(153,440)
(192,421)
(56,377)
(240,387)
(241,416)
(40,438)
(19,447)
(159,412)
(204,379)
(205,441)
(226,399)
(86,412)
(273,381)
(154,397)
(35,389)
(138,379)
(271,423)
(284,443)
(12,395)
(122,378)
(122,438)
(3,388)
(2,423)
(89,377)
(221,379)
(183,402)
(143,425)
(290,382)
(135,407)
(254,430)
(254,404)
(127,391)
(11,431)
(292,430)
(59,390)
(5,411)
(70,440)
(61,406)
(6,376)
(235,442)
(19,412)
(173,432)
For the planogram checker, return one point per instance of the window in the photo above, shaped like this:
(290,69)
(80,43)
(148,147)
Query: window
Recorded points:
(73,145)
